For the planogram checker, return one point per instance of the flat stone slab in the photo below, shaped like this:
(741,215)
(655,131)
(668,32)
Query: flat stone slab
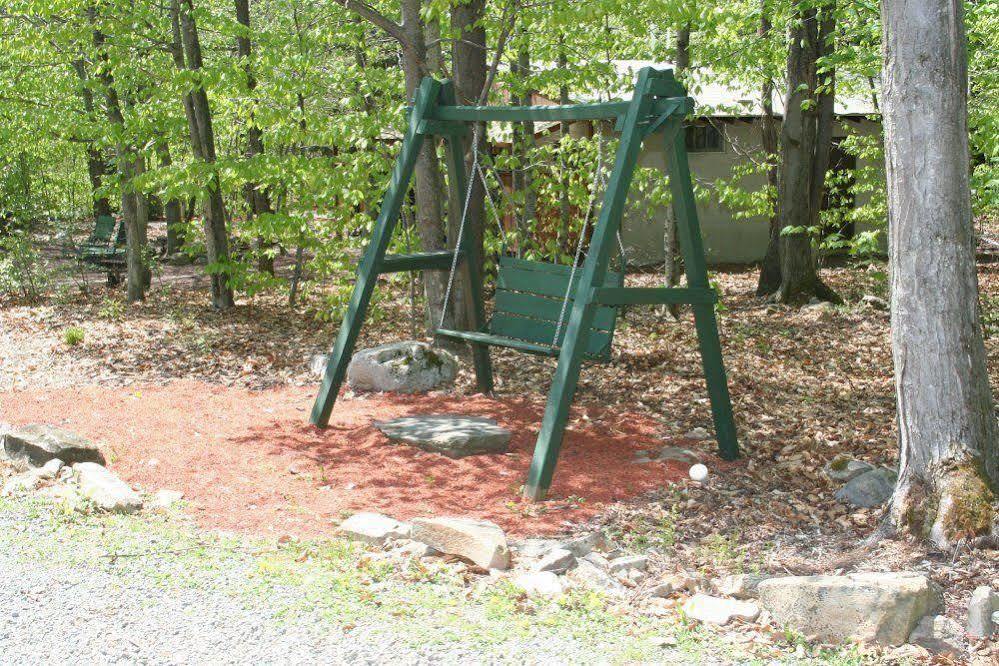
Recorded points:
(453,435)
(102,487)
(34,445)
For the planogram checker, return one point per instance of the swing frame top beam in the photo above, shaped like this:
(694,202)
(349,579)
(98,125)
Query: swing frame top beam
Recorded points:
(679,106)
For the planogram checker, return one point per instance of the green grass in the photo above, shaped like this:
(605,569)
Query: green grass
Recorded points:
(73,335)
(418,603)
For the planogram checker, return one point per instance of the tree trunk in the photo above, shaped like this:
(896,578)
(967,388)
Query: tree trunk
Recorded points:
(672,266)
(824,113)
(799,137)
(564,205)
(171,208)
(97,165)
(128,168)
(529,215)
(203,146)
(947,424)
(468,58)
(769,281)
(258,200)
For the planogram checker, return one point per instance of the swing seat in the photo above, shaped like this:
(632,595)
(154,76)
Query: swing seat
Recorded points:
(529,300)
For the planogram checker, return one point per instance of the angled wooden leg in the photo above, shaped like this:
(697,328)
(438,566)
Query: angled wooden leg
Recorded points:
(685,209)
(471,266)
(367,272)
(570,358)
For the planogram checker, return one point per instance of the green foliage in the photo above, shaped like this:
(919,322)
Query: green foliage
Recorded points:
(24,275)
(73,335)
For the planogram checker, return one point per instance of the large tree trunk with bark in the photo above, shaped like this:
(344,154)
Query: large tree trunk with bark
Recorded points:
(468,58)
(258,200)
(171,208)
(947,423)
(799,150)
(203,146)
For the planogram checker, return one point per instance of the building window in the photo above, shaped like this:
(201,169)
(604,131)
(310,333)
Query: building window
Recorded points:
(704,139)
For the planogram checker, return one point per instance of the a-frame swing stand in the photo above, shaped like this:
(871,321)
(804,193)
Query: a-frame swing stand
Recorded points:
(657,109)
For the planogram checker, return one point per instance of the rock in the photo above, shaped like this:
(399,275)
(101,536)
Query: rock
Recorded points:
(557,560)
(685,456)
(415,549)
(105,490)
(874,301)
(317,364)
(590,576)
(20,484)
(373,528)
(843,469)
(740,586)
(628,563)
(34,445)
(869,489)
(881,608)
(716,610)
(403,367)
(455,436)
(164,499)
(533,549)
(49,470)
(698,433)
(939,634)
(587,543)
(67,496)
(982,604)
(480,541)
(662,590)
(539,583)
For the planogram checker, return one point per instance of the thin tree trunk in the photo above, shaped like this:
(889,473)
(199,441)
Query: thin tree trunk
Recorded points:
(97,166)
(171,208)
(203,146)
(947,424)
(530,213)
(824,113)
(564,205)
(128,167)
(769,280)
(258,200)
(671,249)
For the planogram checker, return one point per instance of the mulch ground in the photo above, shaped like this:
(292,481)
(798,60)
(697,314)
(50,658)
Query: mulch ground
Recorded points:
(248,460)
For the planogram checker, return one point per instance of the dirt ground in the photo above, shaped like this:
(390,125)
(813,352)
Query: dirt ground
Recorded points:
(174,381)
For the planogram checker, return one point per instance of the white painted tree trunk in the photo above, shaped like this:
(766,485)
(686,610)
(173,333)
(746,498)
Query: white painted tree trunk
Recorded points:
(947,423)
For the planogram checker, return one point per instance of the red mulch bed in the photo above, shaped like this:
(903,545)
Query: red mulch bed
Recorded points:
(249,461)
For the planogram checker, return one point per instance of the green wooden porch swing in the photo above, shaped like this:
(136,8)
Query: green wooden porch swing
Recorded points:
(544,308)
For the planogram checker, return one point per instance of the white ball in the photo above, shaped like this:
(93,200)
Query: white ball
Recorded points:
(698,472)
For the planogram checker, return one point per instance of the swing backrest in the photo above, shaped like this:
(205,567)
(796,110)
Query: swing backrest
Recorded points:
(529,298)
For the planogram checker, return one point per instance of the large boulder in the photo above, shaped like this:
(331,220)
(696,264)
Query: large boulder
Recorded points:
(453,435)
(373,528)
(869,489)
(880,608)
(982,604)
(402,367)
(939,634)
(479,541)
(36,444)
(105,489)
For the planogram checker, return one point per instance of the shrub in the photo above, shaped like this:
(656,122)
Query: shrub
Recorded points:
(23,273)
(73,336)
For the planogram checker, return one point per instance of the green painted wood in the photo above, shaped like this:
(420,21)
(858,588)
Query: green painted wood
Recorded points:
(543,278)
(688,228)
(547,309)
(418,261)
(543,332)
(563,387)
(471,269)
(652,295)
(367,272)
(498,341)
(552,113)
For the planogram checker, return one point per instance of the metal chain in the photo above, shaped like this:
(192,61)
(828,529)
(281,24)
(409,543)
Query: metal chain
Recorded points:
(461,225)
(597,182)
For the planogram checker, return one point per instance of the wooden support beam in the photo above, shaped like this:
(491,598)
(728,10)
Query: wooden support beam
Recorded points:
(418,261)
(568,113)
(652,295)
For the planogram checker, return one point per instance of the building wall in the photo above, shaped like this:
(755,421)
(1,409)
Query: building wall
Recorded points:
(727,239)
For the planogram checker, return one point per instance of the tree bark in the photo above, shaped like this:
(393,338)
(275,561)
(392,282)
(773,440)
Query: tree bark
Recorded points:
(564,205)
(948,434)
(203,146)
(97,165)
(769,280)
(798,149)
(468,58)
(671,248)
(258,200)
(171,208)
